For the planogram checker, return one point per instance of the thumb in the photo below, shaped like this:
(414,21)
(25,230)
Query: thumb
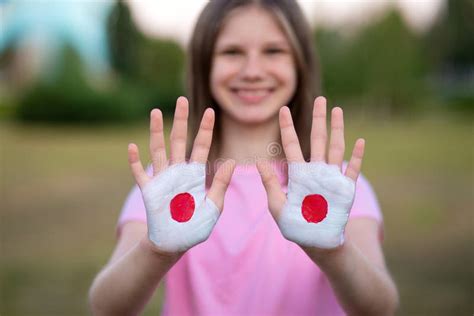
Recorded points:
(276,197)
(220,183)
(136,166)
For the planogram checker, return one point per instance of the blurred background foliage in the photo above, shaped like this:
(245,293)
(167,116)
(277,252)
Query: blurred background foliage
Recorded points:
(383,67)
(64,130)
(146,73)
(70,98)
(391,70)
(153,65)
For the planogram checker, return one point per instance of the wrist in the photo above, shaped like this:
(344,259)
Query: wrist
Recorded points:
(322,255)
(147,245)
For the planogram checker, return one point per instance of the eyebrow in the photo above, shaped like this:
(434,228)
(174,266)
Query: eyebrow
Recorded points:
(277,43)
(269,43)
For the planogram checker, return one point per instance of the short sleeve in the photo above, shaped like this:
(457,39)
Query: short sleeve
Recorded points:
(365,202)
(133,209)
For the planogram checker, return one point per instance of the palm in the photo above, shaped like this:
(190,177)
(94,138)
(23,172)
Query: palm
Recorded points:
(316,209)
(179,213)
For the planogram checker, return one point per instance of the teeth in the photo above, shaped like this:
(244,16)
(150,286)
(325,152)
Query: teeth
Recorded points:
(253,93)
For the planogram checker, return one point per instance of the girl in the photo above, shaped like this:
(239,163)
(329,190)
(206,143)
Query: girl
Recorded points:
(281,246)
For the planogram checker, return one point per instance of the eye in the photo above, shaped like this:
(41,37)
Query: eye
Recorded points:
(275,50)
(231,51)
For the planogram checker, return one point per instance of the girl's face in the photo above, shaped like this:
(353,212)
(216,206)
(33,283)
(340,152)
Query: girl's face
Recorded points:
(253,70)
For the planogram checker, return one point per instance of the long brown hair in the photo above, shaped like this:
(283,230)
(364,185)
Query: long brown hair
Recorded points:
(200,51)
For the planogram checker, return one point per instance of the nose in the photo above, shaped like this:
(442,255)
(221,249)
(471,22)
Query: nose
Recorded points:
(252,68)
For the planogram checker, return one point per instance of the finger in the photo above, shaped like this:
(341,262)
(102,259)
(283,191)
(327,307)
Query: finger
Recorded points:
(220,183)
(319,130)
(355,164)
(136,166)
(203,140)
(289,138)
(178,131)
(276,197)
(157,142)
(336,145)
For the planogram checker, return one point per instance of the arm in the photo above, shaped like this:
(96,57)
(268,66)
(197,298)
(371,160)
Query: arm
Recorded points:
(357,271)
(145,252)
(316,209)
(127,282)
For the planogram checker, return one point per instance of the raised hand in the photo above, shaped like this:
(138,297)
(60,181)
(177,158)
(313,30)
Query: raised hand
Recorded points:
(316,209)
(179,214)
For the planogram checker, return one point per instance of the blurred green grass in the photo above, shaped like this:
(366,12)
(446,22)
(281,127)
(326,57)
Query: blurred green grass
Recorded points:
(63,187)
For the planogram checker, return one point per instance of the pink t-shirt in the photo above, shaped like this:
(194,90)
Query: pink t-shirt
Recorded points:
(247,267)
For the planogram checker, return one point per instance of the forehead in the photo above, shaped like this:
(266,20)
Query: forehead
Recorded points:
(251,25)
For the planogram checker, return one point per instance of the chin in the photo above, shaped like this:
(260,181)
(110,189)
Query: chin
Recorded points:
(254,116)
(251,113)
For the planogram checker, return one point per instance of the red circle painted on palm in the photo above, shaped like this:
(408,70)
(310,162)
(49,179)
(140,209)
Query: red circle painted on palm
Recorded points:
(314,208)
(182,207)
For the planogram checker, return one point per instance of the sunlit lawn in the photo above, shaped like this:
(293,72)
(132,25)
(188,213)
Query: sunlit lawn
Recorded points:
(63,188)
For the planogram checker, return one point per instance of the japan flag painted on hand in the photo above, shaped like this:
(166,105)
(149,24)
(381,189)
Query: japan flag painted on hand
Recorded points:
(315,210)
(318,204)
(179,215)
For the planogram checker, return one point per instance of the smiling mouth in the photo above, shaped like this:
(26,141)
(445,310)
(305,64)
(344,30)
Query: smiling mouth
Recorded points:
(252,96)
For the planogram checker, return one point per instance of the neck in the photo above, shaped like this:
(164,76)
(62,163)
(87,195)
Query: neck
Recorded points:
(246,143)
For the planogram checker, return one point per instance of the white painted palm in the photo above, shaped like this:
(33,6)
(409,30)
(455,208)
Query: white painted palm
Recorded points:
(318,203)
(180,214)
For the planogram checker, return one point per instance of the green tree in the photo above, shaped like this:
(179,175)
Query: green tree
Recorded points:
(160,72)
(381,66)
(123,39)
(452,36)
(153,66)
(69,98)
(450,48)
